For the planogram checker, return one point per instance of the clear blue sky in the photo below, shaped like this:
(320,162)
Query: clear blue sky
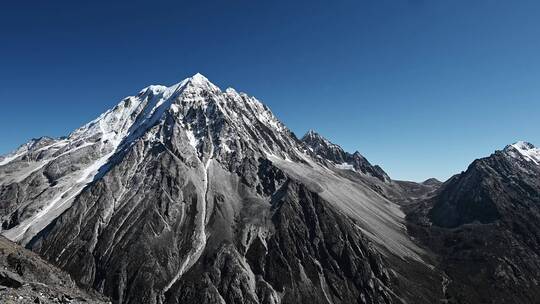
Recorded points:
(420,87)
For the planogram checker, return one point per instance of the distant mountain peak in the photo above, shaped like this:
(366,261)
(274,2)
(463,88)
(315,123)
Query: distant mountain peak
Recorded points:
(199,80)
(316,141)
(313,135)
(329,151)
(524,144)
(198,77)
(432,181)
(323,147)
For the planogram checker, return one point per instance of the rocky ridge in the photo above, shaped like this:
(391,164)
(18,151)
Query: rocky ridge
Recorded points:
(483,225)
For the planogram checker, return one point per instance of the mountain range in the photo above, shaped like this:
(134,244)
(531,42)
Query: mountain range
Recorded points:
(194,194)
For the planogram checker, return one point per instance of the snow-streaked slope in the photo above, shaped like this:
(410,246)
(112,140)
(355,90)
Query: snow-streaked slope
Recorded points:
(86,151)
(525,150)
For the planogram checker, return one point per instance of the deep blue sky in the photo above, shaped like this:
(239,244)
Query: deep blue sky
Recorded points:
(419,87)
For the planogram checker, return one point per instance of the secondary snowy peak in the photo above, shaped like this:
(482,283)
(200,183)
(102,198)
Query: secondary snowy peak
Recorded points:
(323,147)
(524,150)
(318,140)
(329,151)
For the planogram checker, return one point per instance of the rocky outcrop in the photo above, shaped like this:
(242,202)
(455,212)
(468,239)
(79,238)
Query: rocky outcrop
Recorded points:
(26,278)
(10,279)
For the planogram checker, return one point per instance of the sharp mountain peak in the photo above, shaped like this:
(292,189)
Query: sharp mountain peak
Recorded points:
(524,150)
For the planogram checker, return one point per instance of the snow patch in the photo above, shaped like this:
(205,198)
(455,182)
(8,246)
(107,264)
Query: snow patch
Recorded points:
(527,151)
(193,141)
(6,160)
(345,166)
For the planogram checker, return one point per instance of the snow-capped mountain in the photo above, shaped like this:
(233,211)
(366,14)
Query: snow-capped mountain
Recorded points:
(192,194)
(215,201)
(27,278)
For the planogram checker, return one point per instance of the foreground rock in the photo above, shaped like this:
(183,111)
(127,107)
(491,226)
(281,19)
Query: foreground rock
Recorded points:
(26,278)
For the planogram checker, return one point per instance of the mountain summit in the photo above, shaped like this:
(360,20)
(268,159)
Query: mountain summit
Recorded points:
(524,150)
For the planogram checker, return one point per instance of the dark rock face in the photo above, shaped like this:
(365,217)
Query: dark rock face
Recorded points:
(493,188)
(295,248)
(10,279)
(313,255)
(485,225)
(286,246)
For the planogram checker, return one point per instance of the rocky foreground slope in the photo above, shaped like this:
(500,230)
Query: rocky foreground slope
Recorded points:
(26,278)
